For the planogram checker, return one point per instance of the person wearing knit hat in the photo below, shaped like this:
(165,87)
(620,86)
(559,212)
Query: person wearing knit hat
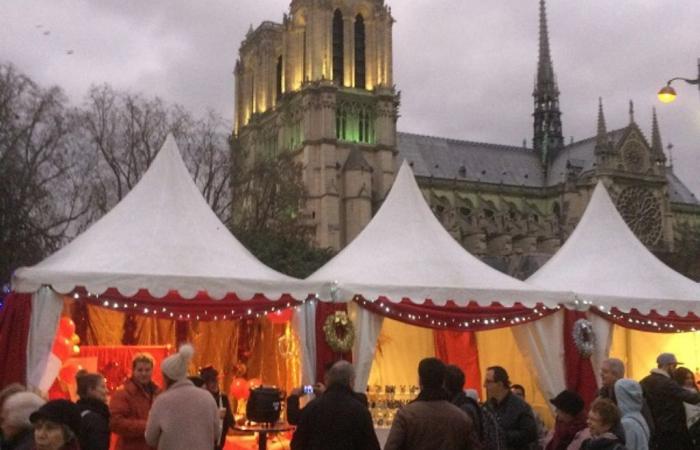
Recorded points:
(171,426)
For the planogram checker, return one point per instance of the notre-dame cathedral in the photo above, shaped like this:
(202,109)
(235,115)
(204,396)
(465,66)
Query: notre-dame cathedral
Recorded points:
(320,85)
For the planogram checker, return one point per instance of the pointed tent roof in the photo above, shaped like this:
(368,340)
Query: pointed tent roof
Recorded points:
(162,236)
(404,252)
(604,262)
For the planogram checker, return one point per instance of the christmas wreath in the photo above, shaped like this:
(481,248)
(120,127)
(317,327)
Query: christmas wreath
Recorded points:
(584,338)
(339,332)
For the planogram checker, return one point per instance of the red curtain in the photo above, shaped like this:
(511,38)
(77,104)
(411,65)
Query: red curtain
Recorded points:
(471,317)
(324,354)
(14,337)
(580,376)
(460,349)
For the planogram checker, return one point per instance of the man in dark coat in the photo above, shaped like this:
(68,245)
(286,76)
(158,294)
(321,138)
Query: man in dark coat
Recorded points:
(515,417)
(665,398)
(336,420)
(430,422)
(210,377)
(293,401)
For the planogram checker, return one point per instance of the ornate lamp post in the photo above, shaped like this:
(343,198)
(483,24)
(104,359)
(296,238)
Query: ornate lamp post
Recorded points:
(667,94)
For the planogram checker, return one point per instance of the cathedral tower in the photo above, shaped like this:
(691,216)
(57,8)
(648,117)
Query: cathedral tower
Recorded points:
(320,85)
(548,140)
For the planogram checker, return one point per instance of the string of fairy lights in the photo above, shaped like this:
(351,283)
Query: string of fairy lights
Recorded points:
(392,310)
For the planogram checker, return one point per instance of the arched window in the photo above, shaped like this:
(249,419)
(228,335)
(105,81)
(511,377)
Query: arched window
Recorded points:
(359,52)
(338,57)
(279,77)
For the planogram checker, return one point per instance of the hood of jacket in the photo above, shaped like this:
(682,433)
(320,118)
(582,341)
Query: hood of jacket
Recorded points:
(629,396)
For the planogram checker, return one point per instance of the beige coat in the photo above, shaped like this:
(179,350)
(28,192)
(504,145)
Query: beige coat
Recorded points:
(429,425)
(184,417)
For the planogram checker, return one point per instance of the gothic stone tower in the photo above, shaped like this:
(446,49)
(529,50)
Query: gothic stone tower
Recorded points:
(320,85)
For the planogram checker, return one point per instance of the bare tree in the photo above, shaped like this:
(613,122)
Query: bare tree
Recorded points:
(124,132)
(41,177)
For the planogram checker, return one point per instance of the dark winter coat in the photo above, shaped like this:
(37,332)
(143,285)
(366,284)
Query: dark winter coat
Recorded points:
(517,421)
(22,441)
(665,398)
(222,401)
(335,420)
(607,441)
(94,424)
(294,411)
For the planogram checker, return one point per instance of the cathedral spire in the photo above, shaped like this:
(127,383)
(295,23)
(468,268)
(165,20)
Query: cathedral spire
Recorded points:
(631,112)
(602,143)
(547,123)
(602,136)
(656,146)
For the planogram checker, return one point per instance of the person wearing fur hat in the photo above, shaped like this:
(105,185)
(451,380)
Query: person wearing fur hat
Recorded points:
(17,430)
(210,377)
(56,426)
(184,416)
(130,404)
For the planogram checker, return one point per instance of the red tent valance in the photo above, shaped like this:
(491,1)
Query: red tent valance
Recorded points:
(472,317)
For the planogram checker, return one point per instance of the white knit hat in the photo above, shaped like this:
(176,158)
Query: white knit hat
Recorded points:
(175,366)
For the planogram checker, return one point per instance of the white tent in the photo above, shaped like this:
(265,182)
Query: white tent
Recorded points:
(162,236)
(604,263)
(404,252)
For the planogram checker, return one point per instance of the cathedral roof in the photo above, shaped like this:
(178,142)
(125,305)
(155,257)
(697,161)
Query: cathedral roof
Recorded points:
(581,155)
(451,159)
(677,191)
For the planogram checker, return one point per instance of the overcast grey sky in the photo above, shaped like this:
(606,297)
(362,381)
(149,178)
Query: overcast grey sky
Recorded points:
(465,67)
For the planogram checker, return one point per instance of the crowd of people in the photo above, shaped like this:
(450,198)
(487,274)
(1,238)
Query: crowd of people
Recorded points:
(191,413)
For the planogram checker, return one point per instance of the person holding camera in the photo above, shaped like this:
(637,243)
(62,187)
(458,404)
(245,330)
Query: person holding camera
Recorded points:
(336,419)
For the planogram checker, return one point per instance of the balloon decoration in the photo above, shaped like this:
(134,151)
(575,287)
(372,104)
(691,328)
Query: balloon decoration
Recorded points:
(66,327)
(240,389)
(62,348)
(281,316)
(65,345)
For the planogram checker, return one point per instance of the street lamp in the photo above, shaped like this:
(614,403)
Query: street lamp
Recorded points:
(667,94)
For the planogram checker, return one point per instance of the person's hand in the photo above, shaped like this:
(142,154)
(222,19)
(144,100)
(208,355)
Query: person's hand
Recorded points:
(299,391)
(319,388)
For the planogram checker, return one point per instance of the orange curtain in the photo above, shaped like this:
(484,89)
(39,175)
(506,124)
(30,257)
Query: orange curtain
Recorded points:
(275,356)
(460,349)
(152,331)
(105,326)
(216,344)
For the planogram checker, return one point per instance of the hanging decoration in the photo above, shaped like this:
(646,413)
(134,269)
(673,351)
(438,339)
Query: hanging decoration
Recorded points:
(584,337)
(339,332)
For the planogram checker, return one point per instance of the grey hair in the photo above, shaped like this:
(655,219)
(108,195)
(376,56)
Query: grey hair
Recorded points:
(342,372)
(18,407)
(617,367)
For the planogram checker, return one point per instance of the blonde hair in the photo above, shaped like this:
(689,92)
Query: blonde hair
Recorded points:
(142,358)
